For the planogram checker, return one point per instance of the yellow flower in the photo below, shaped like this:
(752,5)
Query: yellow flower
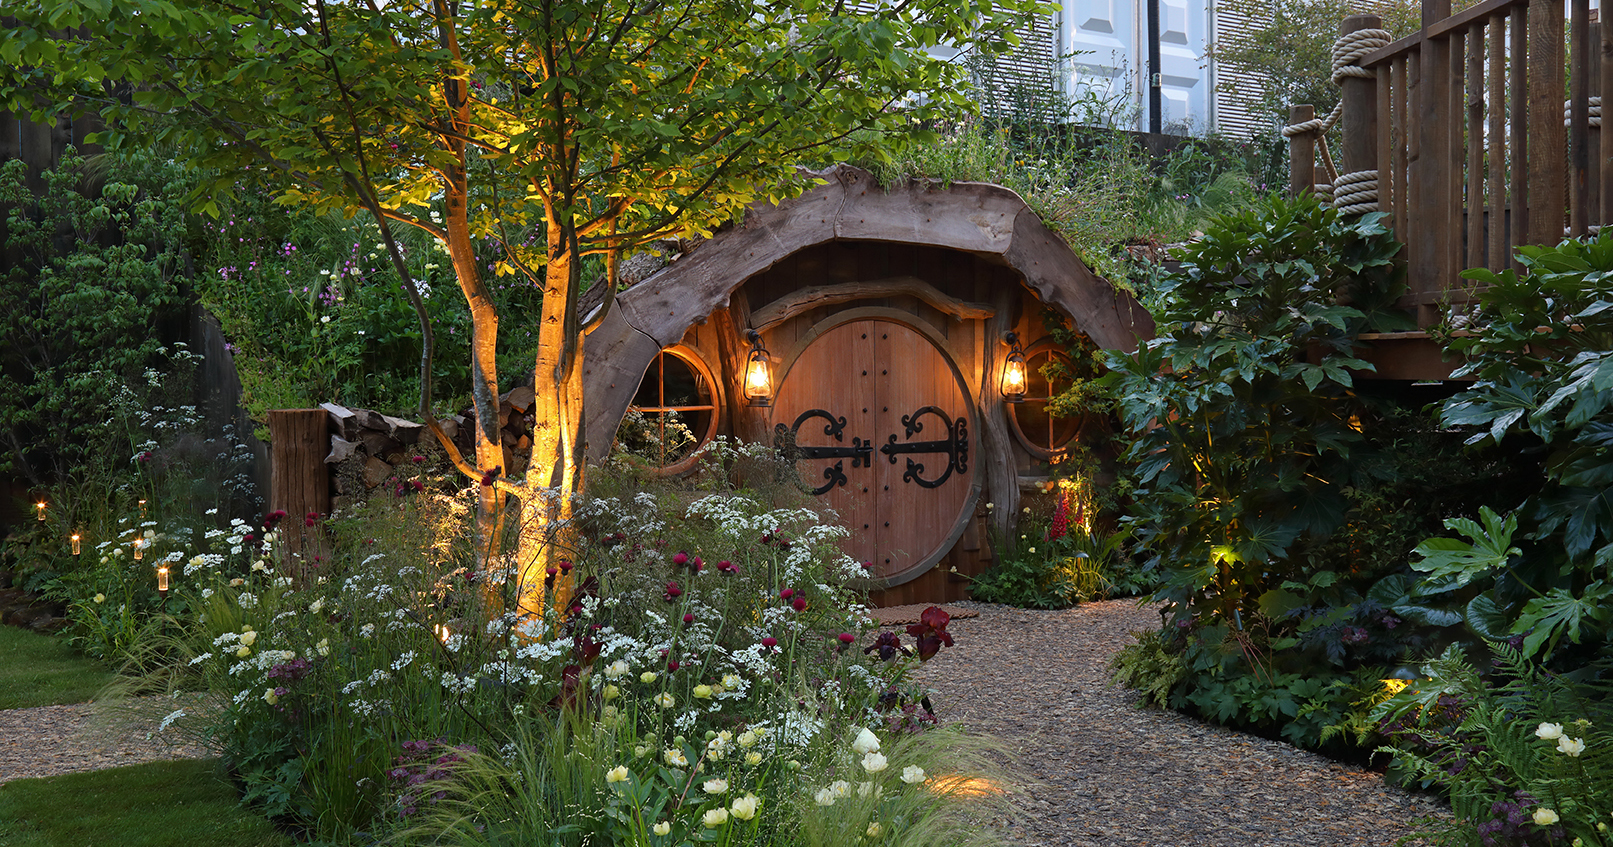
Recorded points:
(647,677)
(100,598)
(617,774)
(745,807)
(730,681)
(610,692)
(714,818)
(1545,817)
(244,651)
(661,828)
(753,758)
(702,692)
(664,700)
(249,638)
(270,697)
(874,829)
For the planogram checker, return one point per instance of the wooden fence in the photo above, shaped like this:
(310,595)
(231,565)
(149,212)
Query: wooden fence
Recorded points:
(1476,150)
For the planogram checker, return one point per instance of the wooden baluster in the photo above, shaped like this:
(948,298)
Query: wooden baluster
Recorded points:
(1404,138)
(1301,152)
(1605,159)
(1579,134)
(1455,258)
(1518,38)
(1475,146)
(1385,163)
(1497,138)
(1430,265)
(1546,137)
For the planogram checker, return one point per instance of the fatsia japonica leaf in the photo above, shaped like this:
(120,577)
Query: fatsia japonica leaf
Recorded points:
(1559,613)
(1488,548)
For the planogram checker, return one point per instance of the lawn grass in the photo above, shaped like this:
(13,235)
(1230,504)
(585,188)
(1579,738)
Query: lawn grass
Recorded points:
(40,670)
(162,804)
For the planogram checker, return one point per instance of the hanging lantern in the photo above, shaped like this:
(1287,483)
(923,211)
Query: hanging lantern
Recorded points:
(162,579)
(76,548)
(40,507)
(1013,382)
(758,383)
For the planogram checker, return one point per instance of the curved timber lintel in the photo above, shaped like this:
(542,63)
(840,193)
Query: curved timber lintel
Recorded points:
(796,302)
(986,220)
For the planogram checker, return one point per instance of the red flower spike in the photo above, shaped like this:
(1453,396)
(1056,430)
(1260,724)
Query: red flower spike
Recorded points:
(680,558)
(847,638)
(673,591)
(786,594)
(565,566)
(799,605)
(551,571)
(697,564)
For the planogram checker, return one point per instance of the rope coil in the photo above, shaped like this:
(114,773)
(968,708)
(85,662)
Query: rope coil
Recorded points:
(1595,111)
(1357,192)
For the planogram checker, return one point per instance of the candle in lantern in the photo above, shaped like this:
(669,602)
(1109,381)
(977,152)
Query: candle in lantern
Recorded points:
(40,506)
(139,546)
(76,549)
(162,578)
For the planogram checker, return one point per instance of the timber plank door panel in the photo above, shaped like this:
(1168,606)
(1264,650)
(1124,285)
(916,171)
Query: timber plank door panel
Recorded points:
(900,470)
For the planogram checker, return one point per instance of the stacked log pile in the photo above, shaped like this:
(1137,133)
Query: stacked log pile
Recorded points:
(373,453)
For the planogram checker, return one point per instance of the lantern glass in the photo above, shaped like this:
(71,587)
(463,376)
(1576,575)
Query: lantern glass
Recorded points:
(162,578)
(1014,377)
(139,548)
(758,382)
(76,547)
(41,507)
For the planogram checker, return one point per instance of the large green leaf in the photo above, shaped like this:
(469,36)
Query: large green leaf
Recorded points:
(1489,548)
(1489,619)
(1547,619)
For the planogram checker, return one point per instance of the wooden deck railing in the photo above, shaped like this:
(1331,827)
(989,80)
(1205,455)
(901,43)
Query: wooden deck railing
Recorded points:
(1465,124)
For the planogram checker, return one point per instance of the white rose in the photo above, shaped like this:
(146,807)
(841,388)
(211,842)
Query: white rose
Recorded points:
(715,817)
(912,774)
(1572,746)
(874,762)
(866,742)
(745,807)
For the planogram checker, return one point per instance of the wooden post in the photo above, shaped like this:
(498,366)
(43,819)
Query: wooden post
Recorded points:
(1604,171)
(1359,150)
(299,482)
(1301,153)
(1546,136)
(1579,94)
(1435,233)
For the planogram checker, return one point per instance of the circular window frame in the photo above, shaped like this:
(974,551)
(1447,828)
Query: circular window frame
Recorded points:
(697,363)
(1043,345)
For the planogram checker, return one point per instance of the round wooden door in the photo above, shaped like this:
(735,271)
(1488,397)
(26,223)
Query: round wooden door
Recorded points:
(878,424)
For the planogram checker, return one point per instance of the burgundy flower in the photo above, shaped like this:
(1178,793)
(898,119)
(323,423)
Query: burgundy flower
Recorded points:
(888,644)
(931,632)
(673,665)
(417,459)
(799,605)
(847,638)
(727,567)
(492,475)
(673,591)
(680,558)
(688,617)
(786,594)
(565,566)
(770,642)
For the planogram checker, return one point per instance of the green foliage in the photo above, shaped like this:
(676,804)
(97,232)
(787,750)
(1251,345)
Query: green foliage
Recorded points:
(92,278)
(162,804)
(1522,741)
(40,670)
(1148,667)
(1096,187)
(1541,350)
(1240,409)
(1052,573)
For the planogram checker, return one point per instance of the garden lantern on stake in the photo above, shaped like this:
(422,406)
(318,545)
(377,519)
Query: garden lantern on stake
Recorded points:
(758,383)
(139,545)
(76,547)
(1013,382)
(40,507)
(162,579)
(1398,679)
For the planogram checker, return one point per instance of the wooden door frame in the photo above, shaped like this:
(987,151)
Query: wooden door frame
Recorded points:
(966,514)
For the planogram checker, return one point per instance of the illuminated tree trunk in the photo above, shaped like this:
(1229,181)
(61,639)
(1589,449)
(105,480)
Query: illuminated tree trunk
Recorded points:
(483,362)
(557,437)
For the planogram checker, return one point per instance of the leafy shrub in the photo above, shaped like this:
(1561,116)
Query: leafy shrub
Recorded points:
(396,685)
(1525,755)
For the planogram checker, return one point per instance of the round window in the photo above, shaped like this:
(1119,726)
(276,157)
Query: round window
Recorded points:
(673,414)
(1047,375)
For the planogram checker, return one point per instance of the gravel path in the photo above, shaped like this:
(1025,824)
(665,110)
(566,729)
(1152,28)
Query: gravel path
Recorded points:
(1103,771)
(51,740)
